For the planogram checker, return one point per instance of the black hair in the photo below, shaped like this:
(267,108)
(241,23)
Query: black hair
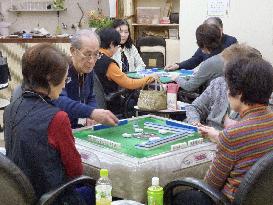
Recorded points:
(120,22)
(108,36)
(250,77)
(208,36)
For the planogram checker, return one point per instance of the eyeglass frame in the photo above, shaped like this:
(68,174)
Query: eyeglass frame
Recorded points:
(92,56)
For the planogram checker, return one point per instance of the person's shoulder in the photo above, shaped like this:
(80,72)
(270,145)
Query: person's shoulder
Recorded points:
(229,39)
(217,87)
(59,120)
(213,60)
(132,49)
(60,116)
(235,130)
(218,81)
(229,36)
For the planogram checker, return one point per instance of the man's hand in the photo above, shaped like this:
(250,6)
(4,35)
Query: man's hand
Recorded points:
(105,117)
(171,67)
(209,132)
(90,122)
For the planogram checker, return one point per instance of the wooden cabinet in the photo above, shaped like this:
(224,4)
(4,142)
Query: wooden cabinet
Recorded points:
(139,30)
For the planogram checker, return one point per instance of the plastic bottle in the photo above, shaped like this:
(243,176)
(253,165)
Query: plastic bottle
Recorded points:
(103,189)
(155,193)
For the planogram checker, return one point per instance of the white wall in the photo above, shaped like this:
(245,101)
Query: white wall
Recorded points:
(49,20)
(250,22)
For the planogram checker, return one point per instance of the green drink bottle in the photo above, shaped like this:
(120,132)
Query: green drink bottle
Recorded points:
(155,193)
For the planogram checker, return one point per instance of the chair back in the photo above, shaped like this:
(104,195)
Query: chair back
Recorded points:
(152,50)
(4,72)
(99,93)
(256,187)
(122,96)
(15,188)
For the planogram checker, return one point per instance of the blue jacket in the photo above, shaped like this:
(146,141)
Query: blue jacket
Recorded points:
(199,56)
(77,98)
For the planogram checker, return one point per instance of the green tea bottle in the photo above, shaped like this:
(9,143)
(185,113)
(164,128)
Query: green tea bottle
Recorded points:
(103,189)
(155,193)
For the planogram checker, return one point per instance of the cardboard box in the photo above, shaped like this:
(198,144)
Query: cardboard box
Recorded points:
(148,15)
(173,34)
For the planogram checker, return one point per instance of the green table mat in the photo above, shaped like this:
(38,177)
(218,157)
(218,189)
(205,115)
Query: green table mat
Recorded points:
(128,144)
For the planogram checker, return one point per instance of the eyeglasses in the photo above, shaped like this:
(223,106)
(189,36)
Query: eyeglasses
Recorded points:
(94,56)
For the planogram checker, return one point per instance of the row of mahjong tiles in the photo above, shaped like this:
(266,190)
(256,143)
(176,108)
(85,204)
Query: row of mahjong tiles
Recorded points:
(136,145)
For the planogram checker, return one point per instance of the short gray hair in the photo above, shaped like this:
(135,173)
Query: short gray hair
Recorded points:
(214,20)
(75,41)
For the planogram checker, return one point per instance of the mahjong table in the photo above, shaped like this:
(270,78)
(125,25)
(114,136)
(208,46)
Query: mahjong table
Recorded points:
(142,147)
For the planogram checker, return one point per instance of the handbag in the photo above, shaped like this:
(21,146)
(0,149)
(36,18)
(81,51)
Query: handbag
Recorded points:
(152,100)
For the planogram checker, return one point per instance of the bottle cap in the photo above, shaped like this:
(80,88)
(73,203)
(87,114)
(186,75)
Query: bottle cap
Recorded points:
(155,181)
(104,173)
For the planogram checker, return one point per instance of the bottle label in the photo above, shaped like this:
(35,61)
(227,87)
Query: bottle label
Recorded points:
(171,101)
(103,194)
(155,200)
(155,195)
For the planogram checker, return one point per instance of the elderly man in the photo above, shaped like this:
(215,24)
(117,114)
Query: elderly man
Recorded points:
(208,38)
(77,98)
(199,56)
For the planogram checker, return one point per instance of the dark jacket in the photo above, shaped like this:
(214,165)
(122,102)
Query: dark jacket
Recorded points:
(109,86)
(77,99)
(101,69)
(199,56)
(26,142)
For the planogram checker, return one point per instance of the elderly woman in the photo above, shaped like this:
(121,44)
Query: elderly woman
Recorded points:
(108,71)
(38,135)
(241,145)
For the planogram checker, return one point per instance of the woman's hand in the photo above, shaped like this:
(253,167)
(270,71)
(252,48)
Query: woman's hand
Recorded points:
(209,132)
(196,123)
(153,77)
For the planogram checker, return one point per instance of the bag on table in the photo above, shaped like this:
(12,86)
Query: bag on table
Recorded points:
(152,100)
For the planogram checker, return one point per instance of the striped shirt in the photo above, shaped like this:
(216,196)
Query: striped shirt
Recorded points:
(240,146)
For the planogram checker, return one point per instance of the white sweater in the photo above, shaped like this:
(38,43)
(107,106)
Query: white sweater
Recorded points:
(135,61)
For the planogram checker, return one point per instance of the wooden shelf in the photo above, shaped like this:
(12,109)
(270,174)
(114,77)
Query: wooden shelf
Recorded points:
(156,25)
(24,10)
(35,40)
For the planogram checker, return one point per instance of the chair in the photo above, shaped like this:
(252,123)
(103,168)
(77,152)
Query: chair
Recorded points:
(15,188)
(4,72)
(255,189)
(152,49)
(4,81)
(103,101)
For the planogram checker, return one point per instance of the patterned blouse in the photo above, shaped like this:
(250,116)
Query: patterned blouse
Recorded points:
(134,60)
